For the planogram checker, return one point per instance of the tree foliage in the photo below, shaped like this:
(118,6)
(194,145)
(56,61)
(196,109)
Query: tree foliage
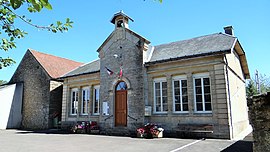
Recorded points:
(263,83)
(9,32)
(3,82)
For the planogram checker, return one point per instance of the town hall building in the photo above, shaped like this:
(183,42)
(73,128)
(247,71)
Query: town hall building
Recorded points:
(194,82)
(195,85)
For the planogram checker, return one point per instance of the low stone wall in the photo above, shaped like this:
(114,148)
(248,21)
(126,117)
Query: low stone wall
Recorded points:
(259,115)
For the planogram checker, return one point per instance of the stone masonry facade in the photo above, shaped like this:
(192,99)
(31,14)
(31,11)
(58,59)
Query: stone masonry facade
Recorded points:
(130,56)
(223,72)
(35,112)
(259,115)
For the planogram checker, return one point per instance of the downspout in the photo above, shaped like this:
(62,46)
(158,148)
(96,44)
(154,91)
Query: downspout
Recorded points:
(229,93)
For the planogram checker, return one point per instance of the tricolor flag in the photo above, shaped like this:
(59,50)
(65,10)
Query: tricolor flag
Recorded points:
(110,72)
(121,72)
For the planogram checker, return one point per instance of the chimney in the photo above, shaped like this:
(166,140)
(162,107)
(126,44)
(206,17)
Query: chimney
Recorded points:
(229,30)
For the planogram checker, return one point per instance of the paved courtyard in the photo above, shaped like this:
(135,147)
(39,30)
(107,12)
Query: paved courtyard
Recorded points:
(27,141)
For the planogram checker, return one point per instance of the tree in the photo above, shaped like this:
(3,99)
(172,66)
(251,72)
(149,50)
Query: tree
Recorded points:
(3,82)
(251,89)
(9,32)
(255,87)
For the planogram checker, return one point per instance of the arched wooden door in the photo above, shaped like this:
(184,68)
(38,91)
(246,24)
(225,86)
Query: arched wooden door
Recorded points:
(121,104)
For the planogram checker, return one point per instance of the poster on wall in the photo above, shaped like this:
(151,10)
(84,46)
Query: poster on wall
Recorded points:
(105,108)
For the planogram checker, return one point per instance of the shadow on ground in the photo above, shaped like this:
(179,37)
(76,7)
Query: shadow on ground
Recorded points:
(240,146)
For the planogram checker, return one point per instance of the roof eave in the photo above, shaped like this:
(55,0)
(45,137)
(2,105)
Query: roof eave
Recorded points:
(243,60)
(69,76)
(188,57)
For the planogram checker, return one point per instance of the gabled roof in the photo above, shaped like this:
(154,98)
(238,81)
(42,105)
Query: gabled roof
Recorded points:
(212,44)
(53,65)
(127,30)
(199,46)
(87,68)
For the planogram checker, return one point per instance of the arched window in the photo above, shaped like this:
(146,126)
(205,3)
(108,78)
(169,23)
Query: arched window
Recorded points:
(121,86)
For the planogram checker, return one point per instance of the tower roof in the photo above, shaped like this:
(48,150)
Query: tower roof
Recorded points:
(120,13)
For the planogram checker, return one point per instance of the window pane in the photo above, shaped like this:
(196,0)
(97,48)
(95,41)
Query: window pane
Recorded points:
(206,81)
(208,107)
(177,92)
(207,98)
(164,85)
(176,84)
(197,82)
(199,107)
(158,100)
(73,96)
(157,92)
(184,99)
(207,89)
(198,90)
(96,100)
(164,100)
(164,92)
(184,83)
(157,85)
(177,99)
(97,94)
(165,107)
(121,86)
(158,107)
(185,107)
(177,107)
(198,98)
(184,91)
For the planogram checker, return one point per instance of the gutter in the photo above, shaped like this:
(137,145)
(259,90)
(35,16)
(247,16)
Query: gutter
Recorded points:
(229,93)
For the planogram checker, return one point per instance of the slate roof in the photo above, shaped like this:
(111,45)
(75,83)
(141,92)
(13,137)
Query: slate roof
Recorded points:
(87,68)
(54,66)
(195,47)
(199,46)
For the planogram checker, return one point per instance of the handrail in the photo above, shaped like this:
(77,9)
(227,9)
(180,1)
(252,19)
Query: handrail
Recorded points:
(108,117)
(132,118)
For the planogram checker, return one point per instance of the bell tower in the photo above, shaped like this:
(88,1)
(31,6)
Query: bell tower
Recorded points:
(120,20)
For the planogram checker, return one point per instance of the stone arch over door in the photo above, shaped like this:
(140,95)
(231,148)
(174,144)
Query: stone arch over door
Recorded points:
(120,111)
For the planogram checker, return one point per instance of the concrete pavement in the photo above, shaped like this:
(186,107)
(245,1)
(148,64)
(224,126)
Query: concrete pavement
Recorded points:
(27,141)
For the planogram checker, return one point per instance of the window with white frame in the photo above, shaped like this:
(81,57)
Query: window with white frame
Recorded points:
(202,92)
(96,102)
(180,95)
(74,101)
(85,100)
(160,95)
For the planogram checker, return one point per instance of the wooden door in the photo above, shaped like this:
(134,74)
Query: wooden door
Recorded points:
(121,107)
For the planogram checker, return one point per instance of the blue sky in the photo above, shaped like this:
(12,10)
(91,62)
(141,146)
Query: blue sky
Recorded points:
(173,20)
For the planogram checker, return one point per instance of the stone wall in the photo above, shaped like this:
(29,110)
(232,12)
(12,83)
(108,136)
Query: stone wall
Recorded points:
(78,82)
(170,120)
(36,92)
(259,115)
(126,45)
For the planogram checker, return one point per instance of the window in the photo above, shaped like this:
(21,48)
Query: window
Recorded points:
(85,100)
(74,101)
(121,86)
(160,95)
(202,93)
(180,95)
(96,100)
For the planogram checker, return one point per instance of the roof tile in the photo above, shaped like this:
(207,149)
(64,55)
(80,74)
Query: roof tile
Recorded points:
(55,66)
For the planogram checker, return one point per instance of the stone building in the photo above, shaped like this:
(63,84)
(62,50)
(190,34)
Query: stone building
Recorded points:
(42,91)
(198,82)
